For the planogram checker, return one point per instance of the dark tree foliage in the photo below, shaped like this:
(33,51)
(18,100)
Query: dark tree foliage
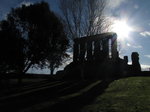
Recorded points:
(11,48)
(45,40)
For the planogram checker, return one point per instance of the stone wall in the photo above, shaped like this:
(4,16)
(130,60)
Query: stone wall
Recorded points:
(97,47)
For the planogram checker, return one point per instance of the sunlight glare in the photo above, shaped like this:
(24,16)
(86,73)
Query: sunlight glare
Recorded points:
(122,29)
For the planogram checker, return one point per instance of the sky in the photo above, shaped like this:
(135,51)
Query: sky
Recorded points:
(136,14)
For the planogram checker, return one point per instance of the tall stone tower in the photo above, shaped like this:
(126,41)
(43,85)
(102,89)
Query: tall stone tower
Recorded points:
(135,62)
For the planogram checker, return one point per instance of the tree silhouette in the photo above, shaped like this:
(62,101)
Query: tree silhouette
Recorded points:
(84,17)
(11,47)
(42,32)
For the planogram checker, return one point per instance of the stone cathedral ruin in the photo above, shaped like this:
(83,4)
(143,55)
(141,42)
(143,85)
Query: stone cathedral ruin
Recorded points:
(97,57)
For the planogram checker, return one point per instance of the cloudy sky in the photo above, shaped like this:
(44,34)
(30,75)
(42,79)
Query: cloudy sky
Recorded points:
(135,14)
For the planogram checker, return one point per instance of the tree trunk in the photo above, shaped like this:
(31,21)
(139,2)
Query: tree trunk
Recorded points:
(20,77)
(22,73)
(52,71)
(27,68)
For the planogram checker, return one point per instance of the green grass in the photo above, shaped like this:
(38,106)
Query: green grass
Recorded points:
(124,95)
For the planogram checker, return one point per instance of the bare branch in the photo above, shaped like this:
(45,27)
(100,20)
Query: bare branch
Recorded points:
(84,17)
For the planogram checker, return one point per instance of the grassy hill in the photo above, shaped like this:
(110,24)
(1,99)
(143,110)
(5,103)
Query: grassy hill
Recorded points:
(125,95)
(130,94)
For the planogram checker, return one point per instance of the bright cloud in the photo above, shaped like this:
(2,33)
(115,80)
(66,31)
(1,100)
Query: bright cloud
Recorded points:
(137,46)
(134,46)
(148,56)
(145,33)
(145,67)
(115,3)
(25,3)
(129,45)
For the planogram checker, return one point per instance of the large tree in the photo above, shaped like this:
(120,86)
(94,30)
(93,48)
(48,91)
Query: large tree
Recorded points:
(11,47)
(43,34)
(83,17)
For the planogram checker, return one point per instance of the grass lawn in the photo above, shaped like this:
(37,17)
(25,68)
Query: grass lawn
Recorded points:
(125,95)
